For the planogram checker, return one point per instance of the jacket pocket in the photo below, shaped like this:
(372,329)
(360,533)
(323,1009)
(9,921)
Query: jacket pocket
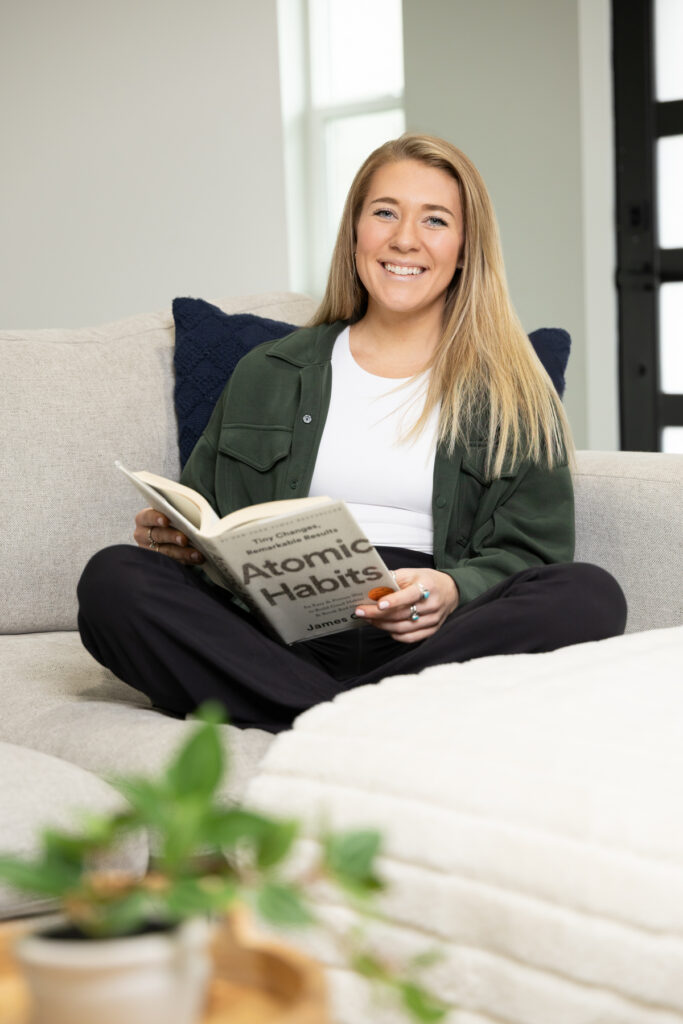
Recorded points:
(479,495)
(258,447)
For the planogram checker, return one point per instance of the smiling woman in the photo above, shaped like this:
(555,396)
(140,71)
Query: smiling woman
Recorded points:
(426,410)
(409,240)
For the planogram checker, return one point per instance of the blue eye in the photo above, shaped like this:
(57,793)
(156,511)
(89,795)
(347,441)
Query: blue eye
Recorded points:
(384,214)
(439,221)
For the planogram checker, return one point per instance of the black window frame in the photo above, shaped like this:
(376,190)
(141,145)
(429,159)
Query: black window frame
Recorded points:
(642,266)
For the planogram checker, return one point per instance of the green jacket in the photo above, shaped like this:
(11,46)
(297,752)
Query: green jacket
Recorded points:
(262,441)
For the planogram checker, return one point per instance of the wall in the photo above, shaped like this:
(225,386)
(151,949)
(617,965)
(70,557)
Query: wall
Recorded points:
(507,83)
(142,156)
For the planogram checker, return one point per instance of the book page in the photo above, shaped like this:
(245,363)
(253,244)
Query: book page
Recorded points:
(263,512)
(186,509)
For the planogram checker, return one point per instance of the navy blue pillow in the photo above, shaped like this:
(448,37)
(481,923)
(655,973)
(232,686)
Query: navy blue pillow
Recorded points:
(552,346)
(209,343)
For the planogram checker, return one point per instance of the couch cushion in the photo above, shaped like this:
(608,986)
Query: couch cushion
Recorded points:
(628,520)
(38,790)
(73,401)
(531,811)
(55,698)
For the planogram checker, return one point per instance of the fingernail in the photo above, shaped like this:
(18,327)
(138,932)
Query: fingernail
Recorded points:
(195,556)
(178,539)
(160,521)
(359,613)
(383,604)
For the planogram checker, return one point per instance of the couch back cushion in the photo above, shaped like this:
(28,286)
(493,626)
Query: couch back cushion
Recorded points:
(628,520)
(73,402)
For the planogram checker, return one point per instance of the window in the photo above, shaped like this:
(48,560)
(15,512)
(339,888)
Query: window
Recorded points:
(648,77)
(341,69)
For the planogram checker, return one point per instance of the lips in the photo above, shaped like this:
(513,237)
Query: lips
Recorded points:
(400,270)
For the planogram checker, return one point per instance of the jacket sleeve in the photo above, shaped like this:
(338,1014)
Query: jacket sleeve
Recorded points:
(532,524)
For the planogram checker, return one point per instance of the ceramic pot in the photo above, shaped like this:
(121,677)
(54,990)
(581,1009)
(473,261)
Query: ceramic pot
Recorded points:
(154,978)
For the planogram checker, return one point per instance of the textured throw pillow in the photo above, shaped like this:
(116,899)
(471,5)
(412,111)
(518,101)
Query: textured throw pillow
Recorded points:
(209,343)
(552,346)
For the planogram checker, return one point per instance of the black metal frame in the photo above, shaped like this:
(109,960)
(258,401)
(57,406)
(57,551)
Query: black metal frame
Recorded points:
(641,265)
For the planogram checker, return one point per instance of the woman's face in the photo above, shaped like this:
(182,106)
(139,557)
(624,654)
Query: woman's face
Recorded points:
(409,238)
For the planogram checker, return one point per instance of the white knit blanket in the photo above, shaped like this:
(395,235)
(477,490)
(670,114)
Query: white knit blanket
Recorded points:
(533,812)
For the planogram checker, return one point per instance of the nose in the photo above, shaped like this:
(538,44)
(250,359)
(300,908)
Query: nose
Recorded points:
(405,237)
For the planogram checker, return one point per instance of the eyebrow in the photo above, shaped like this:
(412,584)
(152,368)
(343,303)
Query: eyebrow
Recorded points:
(425,206)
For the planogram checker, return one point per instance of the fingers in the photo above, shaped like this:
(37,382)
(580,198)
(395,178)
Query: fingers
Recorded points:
(411,614)
(153,531)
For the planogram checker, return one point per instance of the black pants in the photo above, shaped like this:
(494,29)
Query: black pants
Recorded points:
(158,626)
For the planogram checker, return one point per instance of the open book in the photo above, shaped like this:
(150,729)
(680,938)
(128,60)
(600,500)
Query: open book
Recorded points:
(302,564)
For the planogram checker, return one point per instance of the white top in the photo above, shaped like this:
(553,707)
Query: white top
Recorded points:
(386,481)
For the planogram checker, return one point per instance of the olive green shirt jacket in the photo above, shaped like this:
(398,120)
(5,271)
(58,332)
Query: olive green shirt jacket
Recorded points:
(262,441)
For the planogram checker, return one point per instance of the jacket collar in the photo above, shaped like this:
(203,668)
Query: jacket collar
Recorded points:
(308,344)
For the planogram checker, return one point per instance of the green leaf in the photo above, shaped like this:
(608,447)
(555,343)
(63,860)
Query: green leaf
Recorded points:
(276,843)
(43,877)
(270,840)
(187,897)
(350,856)
(99,830)
(227,828)
(368,966)
(282,905)
(211,711)
(198,766)
(148,798)
(182,833)
(426,959)
(422,1004)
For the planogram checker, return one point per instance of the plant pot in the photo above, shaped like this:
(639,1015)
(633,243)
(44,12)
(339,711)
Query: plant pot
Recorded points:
(154,978)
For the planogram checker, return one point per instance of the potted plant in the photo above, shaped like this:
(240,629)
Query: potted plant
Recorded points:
(136,949)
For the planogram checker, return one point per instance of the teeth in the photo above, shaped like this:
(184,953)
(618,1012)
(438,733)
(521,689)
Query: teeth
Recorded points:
(403,271)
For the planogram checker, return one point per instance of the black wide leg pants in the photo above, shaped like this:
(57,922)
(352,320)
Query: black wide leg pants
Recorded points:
(159,627)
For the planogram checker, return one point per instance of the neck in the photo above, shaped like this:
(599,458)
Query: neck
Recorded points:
(395,344)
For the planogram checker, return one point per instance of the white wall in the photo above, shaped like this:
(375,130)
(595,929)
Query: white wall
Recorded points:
(142,156)
(513,85)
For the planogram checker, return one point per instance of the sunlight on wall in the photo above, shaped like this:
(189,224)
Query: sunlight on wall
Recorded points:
(341,71)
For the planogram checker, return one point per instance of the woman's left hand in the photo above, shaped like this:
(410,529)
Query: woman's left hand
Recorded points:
(418,609)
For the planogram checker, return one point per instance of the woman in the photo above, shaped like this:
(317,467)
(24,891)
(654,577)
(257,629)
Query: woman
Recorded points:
(415,395)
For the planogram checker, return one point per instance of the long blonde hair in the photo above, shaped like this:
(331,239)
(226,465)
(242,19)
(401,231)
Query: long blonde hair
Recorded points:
(485,377)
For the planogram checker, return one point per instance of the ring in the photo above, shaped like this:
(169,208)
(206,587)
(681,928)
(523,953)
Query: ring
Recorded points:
(153,546)
(424,593)
(414,613)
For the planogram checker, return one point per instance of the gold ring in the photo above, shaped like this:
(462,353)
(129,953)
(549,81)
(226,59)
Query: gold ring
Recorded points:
(153,546)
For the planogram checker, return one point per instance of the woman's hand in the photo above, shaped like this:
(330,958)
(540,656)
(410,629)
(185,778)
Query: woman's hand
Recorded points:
(153,531)
(418,609)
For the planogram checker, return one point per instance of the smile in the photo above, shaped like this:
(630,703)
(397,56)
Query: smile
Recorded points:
(394,268)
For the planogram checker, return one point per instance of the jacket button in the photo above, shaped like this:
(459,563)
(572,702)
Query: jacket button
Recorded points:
(293,484)
(440,502)
(307,418)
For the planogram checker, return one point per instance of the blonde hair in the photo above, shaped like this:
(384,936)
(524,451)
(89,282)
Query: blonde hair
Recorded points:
(485,377)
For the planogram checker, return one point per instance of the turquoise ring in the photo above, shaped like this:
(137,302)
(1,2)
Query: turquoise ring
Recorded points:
(414,613)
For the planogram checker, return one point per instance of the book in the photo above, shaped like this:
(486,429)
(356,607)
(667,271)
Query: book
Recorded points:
(302,564)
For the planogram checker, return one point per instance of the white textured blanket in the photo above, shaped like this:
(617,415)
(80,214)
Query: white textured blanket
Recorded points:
(533,812)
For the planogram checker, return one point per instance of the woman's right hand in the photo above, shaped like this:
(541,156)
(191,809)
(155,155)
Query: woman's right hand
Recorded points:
(153,531)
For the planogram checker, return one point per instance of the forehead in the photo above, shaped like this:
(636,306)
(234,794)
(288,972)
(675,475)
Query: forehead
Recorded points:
(414,181)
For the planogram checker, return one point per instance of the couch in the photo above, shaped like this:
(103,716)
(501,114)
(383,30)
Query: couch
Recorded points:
(531,804)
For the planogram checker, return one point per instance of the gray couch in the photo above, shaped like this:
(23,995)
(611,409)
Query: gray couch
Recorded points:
(73,402)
